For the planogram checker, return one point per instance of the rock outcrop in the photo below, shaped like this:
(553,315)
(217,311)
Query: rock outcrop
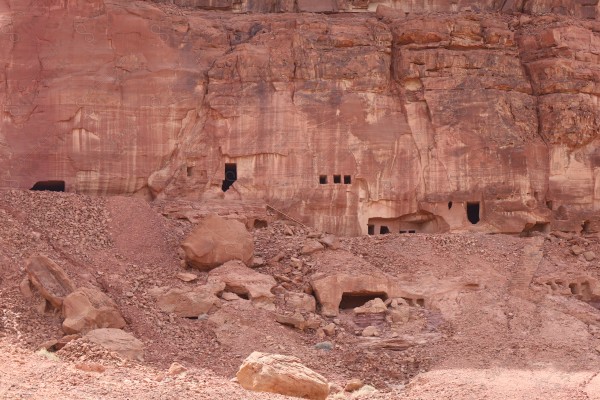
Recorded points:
(245,282)
(86,309)
(121,342)
(217,240)
(353,124)
(49,280)
(281,374)
(190,302)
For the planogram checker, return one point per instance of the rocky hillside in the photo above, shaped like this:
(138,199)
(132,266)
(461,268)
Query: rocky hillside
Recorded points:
(411,315)
(445,117)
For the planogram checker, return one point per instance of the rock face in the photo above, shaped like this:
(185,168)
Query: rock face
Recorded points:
(580,9)
(245,282)
(189,303)
(281,374)
(49,280)
(118,341)
(353,124)
(86,309)
(216,241)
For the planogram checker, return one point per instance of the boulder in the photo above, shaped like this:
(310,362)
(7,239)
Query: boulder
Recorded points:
(281,374)
(311,246)
(400,315)
(49,280)
(353,385)
(121,342)
(374,306)
(300,302)
(298,321)
(589,255)
(187,277)
(370,331)
(87,309)
(188,302)
(245,282)
(330,241)
(217,240)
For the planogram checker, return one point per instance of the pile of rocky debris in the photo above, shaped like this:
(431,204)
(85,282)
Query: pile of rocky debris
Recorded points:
(86,312)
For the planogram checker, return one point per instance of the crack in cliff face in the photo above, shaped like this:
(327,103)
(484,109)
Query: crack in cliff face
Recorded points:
(535,94)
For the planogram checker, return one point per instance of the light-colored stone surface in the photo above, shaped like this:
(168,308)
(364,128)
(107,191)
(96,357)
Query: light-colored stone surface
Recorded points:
(217,240)
(281,374)
(371,307)
(190,302)
(118,341)
(245,282)
(301,302)
(49,279)
(87,308)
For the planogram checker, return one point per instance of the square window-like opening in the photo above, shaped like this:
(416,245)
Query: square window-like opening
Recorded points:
(337,179)
(323,179)
(384,230)
(371,229)
(347,179)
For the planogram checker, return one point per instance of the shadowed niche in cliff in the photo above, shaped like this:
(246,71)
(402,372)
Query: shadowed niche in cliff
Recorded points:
(420,222)
(531,228)
(353,300)
(230,176)
(473,212)
(51,186)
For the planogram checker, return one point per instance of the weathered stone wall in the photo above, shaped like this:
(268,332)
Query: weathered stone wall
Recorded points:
(421,114)
(581,9)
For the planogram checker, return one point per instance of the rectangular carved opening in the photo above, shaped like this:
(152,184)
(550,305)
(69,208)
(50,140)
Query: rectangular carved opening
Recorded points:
(230,176)
(371,229)
(473,212)
(51,186)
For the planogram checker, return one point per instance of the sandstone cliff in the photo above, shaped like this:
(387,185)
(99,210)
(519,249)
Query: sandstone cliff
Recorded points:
(348,121)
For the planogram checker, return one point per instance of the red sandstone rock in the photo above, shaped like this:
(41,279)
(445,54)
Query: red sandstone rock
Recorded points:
(409,121)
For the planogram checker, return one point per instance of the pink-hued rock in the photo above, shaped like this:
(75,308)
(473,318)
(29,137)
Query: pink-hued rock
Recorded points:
(86,309)
(409,120)
(49,279)
(245,281)
(281,374)
(217,240)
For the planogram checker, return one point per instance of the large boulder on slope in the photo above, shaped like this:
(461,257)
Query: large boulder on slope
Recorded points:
(217,240)
(281,374)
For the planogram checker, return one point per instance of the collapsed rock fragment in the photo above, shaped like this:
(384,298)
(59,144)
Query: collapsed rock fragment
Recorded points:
(121,342)
(281,374)
(87,309)
(188,302)
(245,282)
(217,240)
(49,280)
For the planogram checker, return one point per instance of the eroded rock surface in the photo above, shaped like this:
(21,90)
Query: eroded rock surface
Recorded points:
(49,279)
(281,374)
(245,282)
(217,240)
(121,342)
(86,309)
(349,123)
